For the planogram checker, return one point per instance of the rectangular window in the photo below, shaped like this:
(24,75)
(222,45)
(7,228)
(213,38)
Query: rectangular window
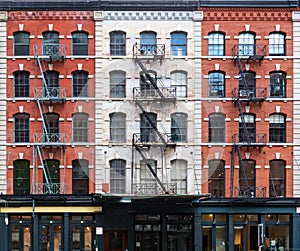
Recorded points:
(178,44)
(216,44)
(117,84)
(117,176)
(117,127)
(21,84)
(80,128)
(117,44)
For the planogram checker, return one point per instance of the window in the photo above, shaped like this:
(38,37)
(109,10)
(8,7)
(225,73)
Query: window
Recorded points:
(147,125)
(247,177)
(247,84)
(117,176)
(148,42)
(117,43)
(51,121)
(179,127)
(21,43)
(21,125)
(216,84)
(51,43)
(53,177)
(246,44)
(148,83)
(277,131)
(117,81)
(51,85)
(179,83)
(216,178)
(216,44)
(80,43)
(117,127)
(277,84)
(21,177)
(277,44)
(216,127)
(21,84)
(179,175)
(80,84)
(80,176)
(147,178)
(277,178)
(178,43)
(248,136)
(80,127)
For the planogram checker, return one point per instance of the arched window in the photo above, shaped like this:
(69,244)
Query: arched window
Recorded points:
(216,84)
(80,43)
(179,127)
(21,128)
(148,42)
(21,177)
(216,127)
(277,129)
(80,86)
(179,175)
(277,183)
(179,83)
(21,84)
(216,178)
(117,176)
(117,81)
(117,43)
(277,44)
(216,44)
(51,43)
(246,44)
(80,176)
(277,84)
(21,43)
(80,127)
(117,127)
(247,187)
(178,43)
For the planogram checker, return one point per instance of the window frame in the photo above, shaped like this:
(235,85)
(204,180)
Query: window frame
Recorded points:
(278,84)
(179,83)
(80,84)
(178,43)
(21,84)
(117,84)
(81,47)
(117,176)
(251,128)
(148,42)
(80,175)
(250,172)
(179,126)
(117,127)
(178,174)
(250,78)
(247,44)
(24,175)
(216,84)
(117,44)
(216,128)
(277,43)
(148,133)
(216,44)
(280,182)
(22,131)
(80,134)
(277,128)
(25,45)
(216,182)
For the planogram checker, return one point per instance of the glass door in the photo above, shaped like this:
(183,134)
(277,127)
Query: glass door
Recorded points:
(50,237)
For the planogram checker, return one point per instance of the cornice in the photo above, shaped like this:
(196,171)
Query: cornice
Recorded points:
(50,15)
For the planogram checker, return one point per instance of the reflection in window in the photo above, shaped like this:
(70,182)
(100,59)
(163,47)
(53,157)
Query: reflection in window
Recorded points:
(179,175)
(80,84)
(247,179)
(247,84)
(117,82)
(148,42)
(277,178)
(179,83)
(277,130)
(247,135)
(216,84)
(277,84)
(117,126)
(216,178)
(216,127)
(179,127)
(178,44)
(80,127)
(277,44)
(246,44)
(80,176)
(216,44)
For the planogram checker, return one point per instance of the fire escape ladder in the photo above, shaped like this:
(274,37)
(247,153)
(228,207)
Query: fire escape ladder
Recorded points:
(241,165)
(46,172)
(233,150)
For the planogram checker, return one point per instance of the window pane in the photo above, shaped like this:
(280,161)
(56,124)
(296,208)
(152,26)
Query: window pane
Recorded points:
(216,128)
(21,177)
(178,44)
(216,44)
(117,44)
(80,84)
(179,127)
(21,44)
(250,134)
(277,130)
(216,84)
(117,127)
(117,176)
(246,44)
(179,175)
(277,178)
(80,43)
(21,124)
(80,127)
(277,85)
(277,44)
(247,84)
(179,83)
(21,84)
(216,178)
(80,176)
(117,84)
(148,42)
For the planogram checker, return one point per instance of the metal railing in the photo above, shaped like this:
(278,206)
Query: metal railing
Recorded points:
(151,137)
(148,50)
(50,138)
(49,93)
(153,188)
(249,93)
(250,138)
(249,50)
(250,192)
(51,188)
(151,92)
(53,51)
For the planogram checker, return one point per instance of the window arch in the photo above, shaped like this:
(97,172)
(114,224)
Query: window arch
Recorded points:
(80,43)
(148,42)
(179,175)
(216,84)
(117,82)
(277,84)
(21,84)
(247,180)
(21,43)
(277,128)
(117,176)
(216,44)
(216,178)
(80,86)
(117,43)
(277,180)
(117,127)
(179,127)
(247,84)
(250,134)
(277,44)
(80,127)
(21,128)
(178,43)
(179,83)
(80,176)
(216,127)
(246,44)
(21,176)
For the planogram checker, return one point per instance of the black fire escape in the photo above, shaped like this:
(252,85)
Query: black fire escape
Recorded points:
(245,94)
(47,95)
(151,91)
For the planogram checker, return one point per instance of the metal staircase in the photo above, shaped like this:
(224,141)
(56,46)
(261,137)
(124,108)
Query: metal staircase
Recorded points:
(47,95)
(152,91)
(246,94)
